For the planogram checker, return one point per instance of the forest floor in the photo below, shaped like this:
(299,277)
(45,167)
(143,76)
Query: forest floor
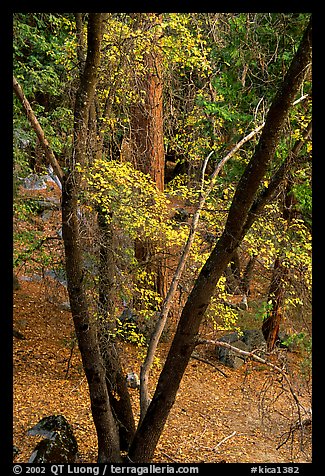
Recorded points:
(220,414)
(240,417)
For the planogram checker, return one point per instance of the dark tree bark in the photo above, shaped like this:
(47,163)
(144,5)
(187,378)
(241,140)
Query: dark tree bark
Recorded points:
(81,41)
(117,390)
(233,275)
(184,342)
(116,382)
(85,325)
(119,397)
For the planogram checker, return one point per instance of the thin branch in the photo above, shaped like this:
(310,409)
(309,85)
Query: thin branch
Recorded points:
(300,99)
(223,440)
(261,360)
(49,154)
(163,315)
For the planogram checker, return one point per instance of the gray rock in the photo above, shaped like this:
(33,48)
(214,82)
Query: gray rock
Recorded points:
(59,445)
(58,275)
(51,203)
(46,215)
(35,277)
(230,338)
(253,338)
(230,358)
(64,306)
(34,182)
(132,380)
(250,339)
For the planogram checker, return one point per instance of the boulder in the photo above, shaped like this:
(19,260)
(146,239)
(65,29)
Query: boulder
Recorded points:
(253,338)
(128,322)
(250,339)
(34,182)
(132,380)
(58,275)
(227,356)
(59,445)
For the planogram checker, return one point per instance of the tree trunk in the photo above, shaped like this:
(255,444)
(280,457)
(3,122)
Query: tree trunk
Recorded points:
(116,382)
(149,431)
(271,325)
(118,392)
(85,325)
(276,295)
(248,274)
(233,272)
(86,330)
(147,136)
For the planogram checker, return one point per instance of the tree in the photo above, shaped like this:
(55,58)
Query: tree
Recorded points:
(276,294)
(147,134)
(246,204)
(184,342)
(85,327)
(146,115)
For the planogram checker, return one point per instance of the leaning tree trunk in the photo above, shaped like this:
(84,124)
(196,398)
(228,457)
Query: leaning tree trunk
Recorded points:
(85,325)
(184,342)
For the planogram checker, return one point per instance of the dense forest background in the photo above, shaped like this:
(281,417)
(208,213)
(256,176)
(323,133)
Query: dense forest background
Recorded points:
(178,146)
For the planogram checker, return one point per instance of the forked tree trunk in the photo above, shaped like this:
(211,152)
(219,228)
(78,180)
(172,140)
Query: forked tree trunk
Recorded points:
(115,377)
(85,324)
(184,342)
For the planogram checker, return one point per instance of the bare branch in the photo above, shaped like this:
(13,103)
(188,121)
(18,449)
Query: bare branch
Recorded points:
(300,99)
(223,440)
(200,359)
(163,315)
(49,154)
(255,357)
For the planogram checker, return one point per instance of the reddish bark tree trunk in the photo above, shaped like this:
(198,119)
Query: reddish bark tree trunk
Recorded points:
(147,136)
(271,325)
(276,295)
